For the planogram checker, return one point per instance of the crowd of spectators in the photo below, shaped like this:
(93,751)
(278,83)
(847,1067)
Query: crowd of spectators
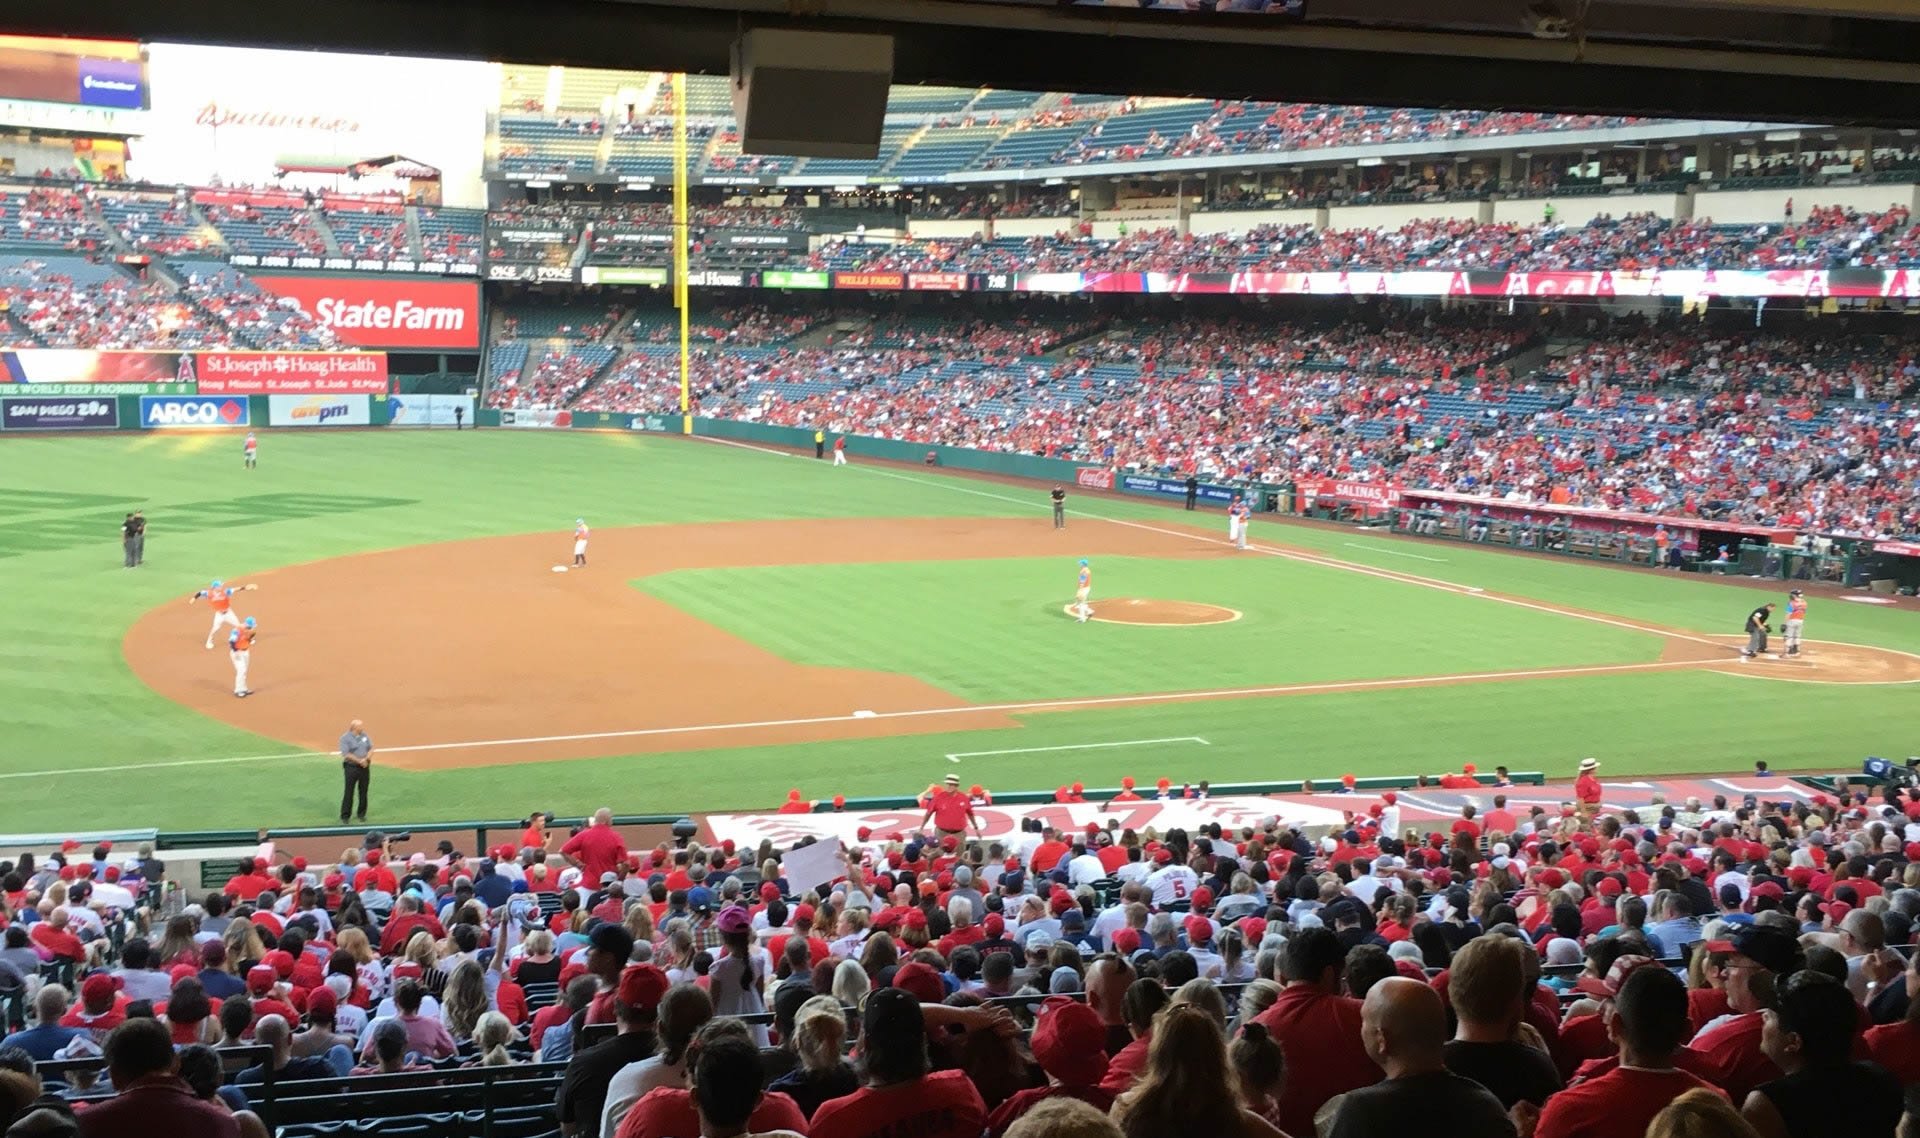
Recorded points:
(1536,970)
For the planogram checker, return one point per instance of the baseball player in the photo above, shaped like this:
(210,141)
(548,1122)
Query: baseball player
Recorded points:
(252,450)
(240,651)
(580,534)
(1796,617)
(219,597)
(1757,630)
(1238,514)
(1081,610)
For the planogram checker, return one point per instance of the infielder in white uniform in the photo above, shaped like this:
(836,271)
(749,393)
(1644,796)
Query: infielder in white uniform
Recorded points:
(240,651)
(580,534)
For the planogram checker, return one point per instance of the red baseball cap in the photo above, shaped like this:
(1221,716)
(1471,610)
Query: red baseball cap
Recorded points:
(261,979)
(1126,942)
(642,986)
(1199,929)
(994,925)
(1070,1042)
(921,981)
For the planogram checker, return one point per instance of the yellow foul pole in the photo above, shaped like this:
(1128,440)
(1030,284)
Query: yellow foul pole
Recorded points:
(681,235)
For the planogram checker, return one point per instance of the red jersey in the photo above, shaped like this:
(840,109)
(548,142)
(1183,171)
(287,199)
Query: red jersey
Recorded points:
(1623,1101)
(1587,789)
(1123,1070)
(598,849)
(944,1104)
(666,1112)
(1048,854)
(1320,1036)
(1896,1046)
(1500,820)
(1732,1050)
(952,809)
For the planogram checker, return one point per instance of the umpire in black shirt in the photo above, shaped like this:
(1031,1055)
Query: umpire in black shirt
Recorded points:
(133,539)
(1059,497)
(1757,629)
(1193,491)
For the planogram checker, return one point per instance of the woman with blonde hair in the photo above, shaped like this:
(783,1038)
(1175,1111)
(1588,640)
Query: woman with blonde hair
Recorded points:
(370,972)
(1188,1086)
(538,964)
(465,1000)
(490,1037)
(1203,994)
(1700,1113)
(421,950)
(819,1039)
(244,949)
(1257,997)
(639,922)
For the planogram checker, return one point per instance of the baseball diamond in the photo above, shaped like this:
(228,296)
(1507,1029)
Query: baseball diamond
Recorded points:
(859,623)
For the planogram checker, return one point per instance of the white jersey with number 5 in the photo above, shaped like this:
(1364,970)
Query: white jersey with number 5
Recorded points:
(1172,883)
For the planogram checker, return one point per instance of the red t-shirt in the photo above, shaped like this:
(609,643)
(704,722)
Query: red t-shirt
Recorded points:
(1112,858)
(1501,820)
(1581,1038)
(1009,1112)
(1621,1102)
(944,1104)
(1896,1046)
(533,837)
(368,875)
(1466,826)
(950,809)
(668,1112)
(1732,1050)
(1048,855)
(1123,1070)
(1586,788)
(598,849)
(972,934)
(59,942)
(1320,1036)
(1704,1005)
(545,1018)
(249,886)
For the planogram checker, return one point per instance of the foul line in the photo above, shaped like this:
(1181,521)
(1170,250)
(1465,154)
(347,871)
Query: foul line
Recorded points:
(1393,552)
(956,756)
(936,712)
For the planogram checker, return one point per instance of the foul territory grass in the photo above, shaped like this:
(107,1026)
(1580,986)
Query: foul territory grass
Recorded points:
(71,711)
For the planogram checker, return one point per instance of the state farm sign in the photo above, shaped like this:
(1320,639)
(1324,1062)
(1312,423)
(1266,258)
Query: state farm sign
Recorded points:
(369,312)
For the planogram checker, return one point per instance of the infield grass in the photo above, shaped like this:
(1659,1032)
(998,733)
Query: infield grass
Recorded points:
(990,631)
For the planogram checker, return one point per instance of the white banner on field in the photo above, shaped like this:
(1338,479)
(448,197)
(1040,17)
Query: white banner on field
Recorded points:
(1001,822)
(430,410)
(318,411)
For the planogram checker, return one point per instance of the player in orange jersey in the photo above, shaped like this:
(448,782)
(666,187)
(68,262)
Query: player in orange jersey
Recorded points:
(240,651)
(1083,588)
(219,597)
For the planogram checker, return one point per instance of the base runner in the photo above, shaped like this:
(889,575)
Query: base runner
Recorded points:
(1796,619)
(1084,589)
(219,598)
(240,651)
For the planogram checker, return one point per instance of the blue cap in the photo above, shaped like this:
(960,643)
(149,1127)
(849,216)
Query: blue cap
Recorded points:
(1083,561)
(216,583)
(579,521)
(251,622)
(700,898)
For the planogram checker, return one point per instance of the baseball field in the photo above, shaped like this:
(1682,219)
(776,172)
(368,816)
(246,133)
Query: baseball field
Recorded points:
(751,621)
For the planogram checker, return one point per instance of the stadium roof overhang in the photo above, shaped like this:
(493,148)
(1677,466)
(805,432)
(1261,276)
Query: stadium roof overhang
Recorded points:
(1838,61)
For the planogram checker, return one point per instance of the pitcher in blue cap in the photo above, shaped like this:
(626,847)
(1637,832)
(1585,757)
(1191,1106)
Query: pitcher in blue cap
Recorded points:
(1081,610)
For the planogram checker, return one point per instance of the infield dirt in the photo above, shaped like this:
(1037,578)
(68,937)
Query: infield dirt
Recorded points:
(477,653)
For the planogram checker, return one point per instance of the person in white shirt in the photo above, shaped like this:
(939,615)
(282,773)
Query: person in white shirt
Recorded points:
(1171,882)
(1114,918)
(1083,868)
(1200,946)
(1381,879)
(347,1018)
(1134,869)
(683,1010)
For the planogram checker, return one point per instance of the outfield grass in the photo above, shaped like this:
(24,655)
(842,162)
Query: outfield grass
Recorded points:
(69,703)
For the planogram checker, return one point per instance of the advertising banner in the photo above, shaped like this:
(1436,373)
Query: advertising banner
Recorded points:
(870,280)
(1347,490)
(1779,283)
(375,312)
(430,410)
(355,265)
(635,238)
(1177,488)
(1094,477)
(1897,548)
(292,373)
(318,411)
(755,239)
(657,423)
(536,418)
(792,278)
(544,274)
(734,278)
(940,282)
(84,365)
(623,275)
(170,411)
(97,389)
(51,413)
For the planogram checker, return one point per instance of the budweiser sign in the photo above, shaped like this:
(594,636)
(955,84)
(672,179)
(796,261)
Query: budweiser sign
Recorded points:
(385,312)
(292,373)
(216,116)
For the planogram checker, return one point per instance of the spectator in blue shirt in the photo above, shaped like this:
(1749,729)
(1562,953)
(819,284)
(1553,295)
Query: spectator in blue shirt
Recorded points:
(1678,928)
(43,1041)
(492,887)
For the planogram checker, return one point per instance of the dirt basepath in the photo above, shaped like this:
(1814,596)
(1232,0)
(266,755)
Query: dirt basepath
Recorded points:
(475,653)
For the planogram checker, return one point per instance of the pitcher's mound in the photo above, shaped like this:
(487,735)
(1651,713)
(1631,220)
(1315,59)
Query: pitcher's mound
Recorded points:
(1137,610)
